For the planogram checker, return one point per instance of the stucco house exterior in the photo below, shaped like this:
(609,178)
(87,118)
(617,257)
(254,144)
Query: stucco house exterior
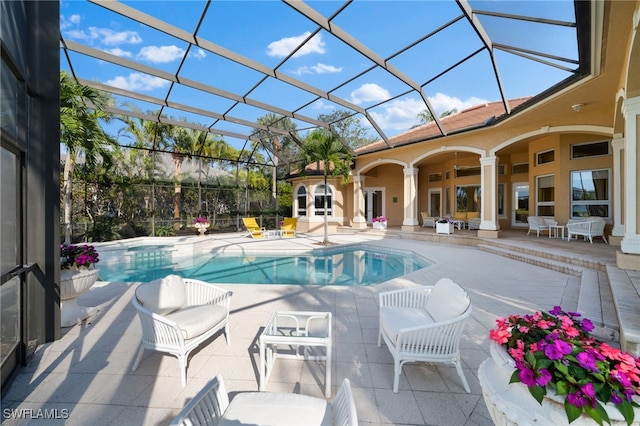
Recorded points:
(568,154)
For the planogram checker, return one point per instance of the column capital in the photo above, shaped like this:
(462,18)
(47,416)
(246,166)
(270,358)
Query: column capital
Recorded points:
(410,171)
(631,106)
(489,161)
(617,142)
(358,178)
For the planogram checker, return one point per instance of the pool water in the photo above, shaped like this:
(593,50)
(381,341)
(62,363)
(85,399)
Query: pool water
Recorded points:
(346,266)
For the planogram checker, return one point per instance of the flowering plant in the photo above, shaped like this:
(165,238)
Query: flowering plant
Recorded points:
(445,221)
(555,349)
(379,219)
(201,220)
(78,256)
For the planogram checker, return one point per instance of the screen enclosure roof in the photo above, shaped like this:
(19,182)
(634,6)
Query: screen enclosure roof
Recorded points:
(219,66)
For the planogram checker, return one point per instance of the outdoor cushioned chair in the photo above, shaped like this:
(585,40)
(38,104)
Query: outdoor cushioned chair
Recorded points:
(211,406)
(424,324)
(178,315)
(255,230)
(590,227)
(289,226)
(540,224)
(428,220)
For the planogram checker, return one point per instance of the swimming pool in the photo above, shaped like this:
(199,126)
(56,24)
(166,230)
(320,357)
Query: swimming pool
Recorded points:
(345,266)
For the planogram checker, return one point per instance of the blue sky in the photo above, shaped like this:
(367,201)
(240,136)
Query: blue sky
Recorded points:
(267,31)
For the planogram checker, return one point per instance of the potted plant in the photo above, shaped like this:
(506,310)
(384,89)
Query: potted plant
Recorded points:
(555,357)
(444,226)
(202,224)
(379,222)
(78,274)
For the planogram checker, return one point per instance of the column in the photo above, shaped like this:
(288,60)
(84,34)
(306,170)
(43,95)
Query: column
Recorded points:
(630,244)
(618,184)
(489,226)
(410,221)
(359,219)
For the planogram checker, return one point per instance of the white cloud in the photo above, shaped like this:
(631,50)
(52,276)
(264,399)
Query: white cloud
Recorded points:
(109,37)
(198,54)
(285,46)
(321,105)
(105,36)
(160,54)
(441,103)
(318,69)
(70,21)
(137,81)
(369,92)
(119,52)
(399,114)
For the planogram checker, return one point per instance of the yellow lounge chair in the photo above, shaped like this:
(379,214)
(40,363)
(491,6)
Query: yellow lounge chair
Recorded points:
(289,226)
(255,230)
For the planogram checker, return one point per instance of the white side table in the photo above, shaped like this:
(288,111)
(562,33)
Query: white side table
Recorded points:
(298,330)
(553,231)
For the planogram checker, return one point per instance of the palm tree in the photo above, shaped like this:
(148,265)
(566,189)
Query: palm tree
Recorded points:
(81,109)
(322,146)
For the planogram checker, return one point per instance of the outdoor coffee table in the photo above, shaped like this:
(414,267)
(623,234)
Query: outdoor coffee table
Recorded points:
(298,331)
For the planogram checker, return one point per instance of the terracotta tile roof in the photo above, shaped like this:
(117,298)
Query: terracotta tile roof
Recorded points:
(469,118)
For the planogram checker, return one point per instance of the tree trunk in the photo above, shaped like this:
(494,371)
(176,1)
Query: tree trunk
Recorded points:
(66,189)
(177,197)
(326,218)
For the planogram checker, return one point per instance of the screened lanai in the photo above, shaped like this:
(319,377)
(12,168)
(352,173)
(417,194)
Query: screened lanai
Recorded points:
(257,77)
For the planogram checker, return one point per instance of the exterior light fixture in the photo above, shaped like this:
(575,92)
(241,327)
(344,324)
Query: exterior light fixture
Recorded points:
(577,107)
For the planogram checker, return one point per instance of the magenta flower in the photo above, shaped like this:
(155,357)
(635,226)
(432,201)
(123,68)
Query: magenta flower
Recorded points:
(587,361)
(557,310)
(587,325)
(527,376)
(557,349)
(544,377)
(615,398)
(577,399)
(588,390)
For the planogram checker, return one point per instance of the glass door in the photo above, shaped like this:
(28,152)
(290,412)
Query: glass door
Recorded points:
(373,203)
(520,205)
(434,203)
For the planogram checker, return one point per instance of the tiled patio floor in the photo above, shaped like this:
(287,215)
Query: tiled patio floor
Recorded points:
(86,375)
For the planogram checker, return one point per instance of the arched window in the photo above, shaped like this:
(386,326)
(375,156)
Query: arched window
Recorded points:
(318,200)
(301,201)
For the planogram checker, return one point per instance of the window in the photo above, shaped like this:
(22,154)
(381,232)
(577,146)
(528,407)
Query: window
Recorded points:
(520,168)
(545,157)
(319,199)
(545,189)
(501,199)
(590,193)
(447,201)
(468,171)
(591,149)
(301,201)
(502,169)
(447,175)
(468,198)
(435,177)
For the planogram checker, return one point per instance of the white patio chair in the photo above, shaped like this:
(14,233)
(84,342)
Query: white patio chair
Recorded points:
(211,406)
(540,224)
(428,220)
(424,324)
(178,315)
(588,228)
